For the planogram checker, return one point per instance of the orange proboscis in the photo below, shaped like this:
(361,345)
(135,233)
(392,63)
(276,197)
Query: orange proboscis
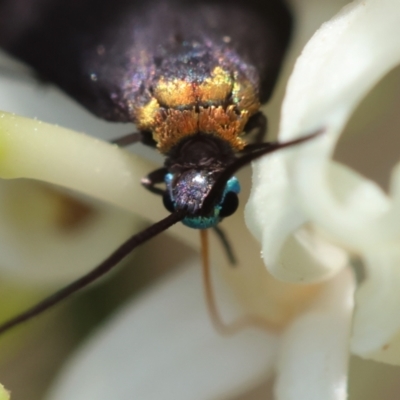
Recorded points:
(246,321)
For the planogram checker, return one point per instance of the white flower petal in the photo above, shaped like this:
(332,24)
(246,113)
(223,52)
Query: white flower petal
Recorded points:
(314,349)
(36,150)
(49,237)
(340,64)
(163,346)
(342,61)
(376,332)
(273,214)
(293,251)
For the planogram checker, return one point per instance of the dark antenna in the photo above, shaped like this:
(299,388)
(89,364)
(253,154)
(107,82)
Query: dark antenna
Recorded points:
(261,150)
(108,264)
(225,244)
(147,234)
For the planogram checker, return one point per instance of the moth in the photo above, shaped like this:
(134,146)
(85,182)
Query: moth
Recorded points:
(190,74)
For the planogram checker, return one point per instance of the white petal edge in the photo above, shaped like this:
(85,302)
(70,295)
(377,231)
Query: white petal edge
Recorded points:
(376,332)
(35,249)
(342,61)
(36,150)
(291,251)
(339,65)
(313,358)
(163,346)
(272,213)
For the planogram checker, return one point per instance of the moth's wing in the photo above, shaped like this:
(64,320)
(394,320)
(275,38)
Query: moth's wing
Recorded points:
(260,33)
(105,53)
(62,41)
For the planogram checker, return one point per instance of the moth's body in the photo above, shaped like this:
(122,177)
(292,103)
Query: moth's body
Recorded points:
(190,75)
(196,105)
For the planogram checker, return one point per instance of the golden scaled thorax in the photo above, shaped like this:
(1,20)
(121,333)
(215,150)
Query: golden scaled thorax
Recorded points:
(221,104)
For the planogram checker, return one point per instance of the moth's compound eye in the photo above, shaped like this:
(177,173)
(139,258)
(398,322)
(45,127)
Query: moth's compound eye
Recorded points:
(229,205)
(168,204)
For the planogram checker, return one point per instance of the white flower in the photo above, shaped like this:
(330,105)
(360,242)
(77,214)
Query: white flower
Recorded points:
(325,199)
(252,353)
(307,211)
